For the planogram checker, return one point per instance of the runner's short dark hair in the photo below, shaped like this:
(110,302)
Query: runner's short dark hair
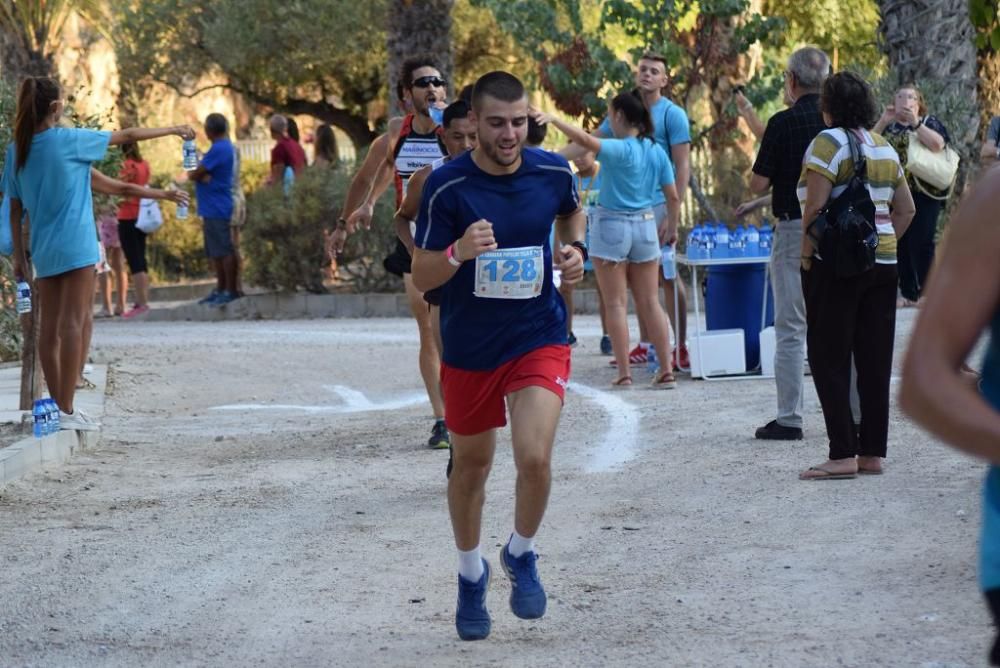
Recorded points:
(499,85)
(455,111)
(411,65)
(466,94)
(216,125)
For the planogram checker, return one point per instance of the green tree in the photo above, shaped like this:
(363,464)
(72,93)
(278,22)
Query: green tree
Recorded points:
(845,29)
(304,57)
(30,31)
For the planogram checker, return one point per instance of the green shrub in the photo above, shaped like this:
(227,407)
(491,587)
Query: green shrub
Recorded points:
(283,242)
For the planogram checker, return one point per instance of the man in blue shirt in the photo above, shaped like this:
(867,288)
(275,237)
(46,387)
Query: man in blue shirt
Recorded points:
(214,184)
(672,131)
(483,237)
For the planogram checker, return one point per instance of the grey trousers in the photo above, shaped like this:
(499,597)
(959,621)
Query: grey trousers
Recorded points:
(789,321)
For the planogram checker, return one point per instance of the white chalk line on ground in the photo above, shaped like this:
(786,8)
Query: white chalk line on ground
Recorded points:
(354,401)
(618,446)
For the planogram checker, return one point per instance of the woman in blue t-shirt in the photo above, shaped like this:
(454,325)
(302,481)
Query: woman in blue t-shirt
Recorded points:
(625,242)
(47,173)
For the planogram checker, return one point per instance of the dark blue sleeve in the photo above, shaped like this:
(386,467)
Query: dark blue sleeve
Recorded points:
(937,126)
(437,221)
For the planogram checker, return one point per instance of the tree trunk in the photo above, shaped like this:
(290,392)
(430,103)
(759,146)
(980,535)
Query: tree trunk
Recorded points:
(933,41)
(415,29)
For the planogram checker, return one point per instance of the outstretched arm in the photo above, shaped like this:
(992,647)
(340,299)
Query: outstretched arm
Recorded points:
(128,135)
(101,183)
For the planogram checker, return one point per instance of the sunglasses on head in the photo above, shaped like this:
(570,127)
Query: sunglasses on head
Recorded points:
(424,82)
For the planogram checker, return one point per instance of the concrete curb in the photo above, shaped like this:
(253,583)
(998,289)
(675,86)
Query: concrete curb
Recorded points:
(30,454)
(295,306)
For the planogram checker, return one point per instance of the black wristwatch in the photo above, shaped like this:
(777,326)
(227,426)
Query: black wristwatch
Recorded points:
(583,249)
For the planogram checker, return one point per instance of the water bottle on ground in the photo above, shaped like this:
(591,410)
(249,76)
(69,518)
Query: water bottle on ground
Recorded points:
(721,241)
(751,246)
(23,297)
(651,362)
(54,416)
(189,153)
(38,418)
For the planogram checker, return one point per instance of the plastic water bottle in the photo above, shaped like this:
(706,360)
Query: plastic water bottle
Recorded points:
(189,153)
(667,265)
(751,246)
(721,241)
(736,242)
(23,297)
(182,212)
(52,416)
(708,241)
(288,178)
(693,241)
(651,362)
(436,114)
(766,238)
(38,418)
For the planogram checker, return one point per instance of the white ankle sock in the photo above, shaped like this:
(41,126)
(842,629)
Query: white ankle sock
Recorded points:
(470,565)
(645,344)
(518,544)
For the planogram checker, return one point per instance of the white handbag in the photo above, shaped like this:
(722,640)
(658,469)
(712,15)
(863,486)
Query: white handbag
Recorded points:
(935,168)
(150,216)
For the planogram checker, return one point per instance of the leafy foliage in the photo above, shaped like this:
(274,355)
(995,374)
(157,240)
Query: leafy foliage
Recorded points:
(283,238)
(985,17)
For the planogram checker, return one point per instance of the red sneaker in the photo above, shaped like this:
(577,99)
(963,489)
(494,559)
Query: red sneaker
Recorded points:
(638,355)
(685,358)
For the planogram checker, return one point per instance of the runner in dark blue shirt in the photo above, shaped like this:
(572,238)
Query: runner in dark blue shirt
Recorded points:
(483,237)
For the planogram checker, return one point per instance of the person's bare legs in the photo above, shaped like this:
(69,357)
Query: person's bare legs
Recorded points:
(105,289)
(85,339)
(66,304)
(430,359)
(534,416)
(435,313)
(646,294)
(228,267)
(116,258)
(141,288)
(602,309)
(678,315)
(472,460)
(611,276)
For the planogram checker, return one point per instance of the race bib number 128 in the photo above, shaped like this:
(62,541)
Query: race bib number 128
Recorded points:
(510,273)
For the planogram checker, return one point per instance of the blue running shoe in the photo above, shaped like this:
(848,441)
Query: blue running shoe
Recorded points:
(472,619)
(527,597)
(606,345)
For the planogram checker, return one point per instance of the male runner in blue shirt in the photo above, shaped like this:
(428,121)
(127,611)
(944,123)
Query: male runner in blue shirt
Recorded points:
(483,237)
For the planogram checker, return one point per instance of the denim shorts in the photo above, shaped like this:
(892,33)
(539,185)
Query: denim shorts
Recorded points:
(620,236)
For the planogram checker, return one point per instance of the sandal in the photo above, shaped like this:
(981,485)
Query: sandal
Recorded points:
(623,382)
(665,381)
(103,314)
(85,384)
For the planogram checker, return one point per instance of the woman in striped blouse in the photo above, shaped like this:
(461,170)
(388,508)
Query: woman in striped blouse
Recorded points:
(852,317)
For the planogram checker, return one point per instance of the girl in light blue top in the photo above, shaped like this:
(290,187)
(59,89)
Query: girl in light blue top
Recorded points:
(47,174)
(625,240)
(960,303)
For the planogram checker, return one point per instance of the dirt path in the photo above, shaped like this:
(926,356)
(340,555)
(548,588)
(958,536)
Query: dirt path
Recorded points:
(311,529)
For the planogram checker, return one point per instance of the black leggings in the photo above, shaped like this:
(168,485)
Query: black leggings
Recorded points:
(133,245)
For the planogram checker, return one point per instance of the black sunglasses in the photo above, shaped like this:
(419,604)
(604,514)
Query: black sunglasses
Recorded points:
(424,82)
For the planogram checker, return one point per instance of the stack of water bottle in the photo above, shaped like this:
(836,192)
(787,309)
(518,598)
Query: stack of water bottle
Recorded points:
(715,241)
(46,417)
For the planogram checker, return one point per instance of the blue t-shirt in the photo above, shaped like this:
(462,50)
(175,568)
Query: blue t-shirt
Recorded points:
(480,333)
(670,128)
(633,170)
(989,544)
(215,198)
(54,189)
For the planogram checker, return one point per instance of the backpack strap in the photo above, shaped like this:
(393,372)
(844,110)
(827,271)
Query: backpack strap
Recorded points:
(857,157)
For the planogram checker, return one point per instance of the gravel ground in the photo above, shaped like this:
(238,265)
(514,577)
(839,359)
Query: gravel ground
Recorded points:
(304,523)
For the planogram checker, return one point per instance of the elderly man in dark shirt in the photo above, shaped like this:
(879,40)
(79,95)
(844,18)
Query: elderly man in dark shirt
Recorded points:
(779,163)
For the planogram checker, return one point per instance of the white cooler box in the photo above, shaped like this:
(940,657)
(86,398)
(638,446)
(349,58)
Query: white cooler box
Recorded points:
(767,348)
(720,350)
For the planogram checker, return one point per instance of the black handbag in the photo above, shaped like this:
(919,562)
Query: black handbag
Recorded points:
(844,232)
